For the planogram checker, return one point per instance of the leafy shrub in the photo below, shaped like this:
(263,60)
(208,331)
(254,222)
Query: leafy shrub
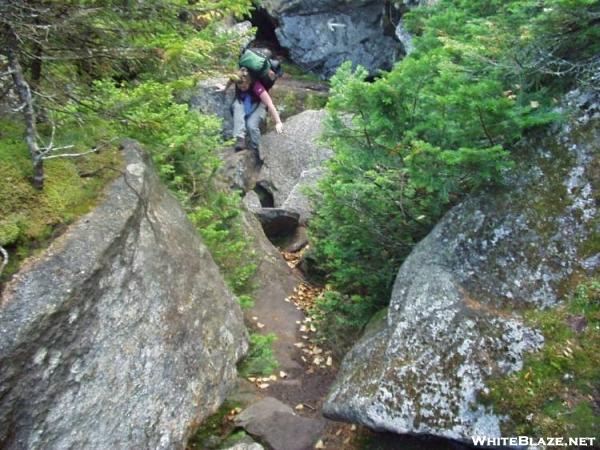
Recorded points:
(438,126)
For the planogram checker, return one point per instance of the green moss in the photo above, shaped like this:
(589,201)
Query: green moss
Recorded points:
(30,217)
(214,429)
(555,392)
(246,301)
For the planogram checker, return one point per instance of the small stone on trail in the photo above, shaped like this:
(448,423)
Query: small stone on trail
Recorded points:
(282,374)
(329,361)
(320,444)
(263,385)
(260,325)
(353,428)
(299,407)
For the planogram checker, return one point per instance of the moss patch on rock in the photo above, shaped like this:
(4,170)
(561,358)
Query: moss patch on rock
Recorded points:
(557,392)
(28,217)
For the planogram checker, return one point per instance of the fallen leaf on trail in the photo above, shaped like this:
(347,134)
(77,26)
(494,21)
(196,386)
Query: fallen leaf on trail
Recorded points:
(320,444)
(282,374)
(329,361)
(347,440)
(251,379)
(260,325)
(254,318)
(353,428)
(303,328)
(338,432)
(263,385)
(299,344)
(273,378)
(299,407)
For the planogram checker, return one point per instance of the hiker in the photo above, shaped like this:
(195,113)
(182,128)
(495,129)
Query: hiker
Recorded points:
(249,109)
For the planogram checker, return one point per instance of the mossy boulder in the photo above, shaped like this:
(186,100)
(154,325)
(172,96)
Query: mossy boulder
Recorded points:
(455,317)
(123,333)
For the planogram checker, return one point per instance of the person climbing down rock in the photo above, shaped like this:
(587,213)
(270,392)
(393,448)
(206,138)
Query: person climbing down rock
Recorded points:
(249,110)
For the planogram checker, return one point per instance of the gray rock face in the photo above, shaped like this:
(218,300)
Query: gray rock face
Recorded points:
(453,319)
(276,424)
(286,156)
(298,200)
(209,100)
(123,333)
(239,169)
(320,35)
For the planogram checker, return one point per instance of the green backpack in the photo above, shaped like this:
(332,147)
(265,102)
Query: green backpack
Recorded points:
(259,62)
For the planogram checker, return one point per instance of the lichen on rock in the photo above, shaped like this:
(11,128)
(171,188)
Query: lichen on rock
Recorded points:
(454,318)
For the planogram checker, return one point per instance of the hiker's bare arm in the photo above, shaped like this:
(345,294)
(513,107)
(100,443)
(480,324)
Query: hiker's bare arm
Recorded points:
(224,87)
(266,99)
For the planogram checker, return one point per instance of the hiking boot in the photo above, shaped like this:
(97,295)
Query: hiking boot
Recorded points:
(240,144)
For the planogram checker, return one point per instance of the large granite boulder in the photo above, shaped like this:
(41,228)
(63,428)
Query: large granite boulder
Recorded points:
(320,35)
(123,333)
(286,157)
(454,319)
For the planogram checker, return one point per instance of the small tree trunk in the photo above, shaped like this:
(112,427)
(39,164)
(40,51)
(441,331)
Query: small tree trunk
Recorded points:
(24,93)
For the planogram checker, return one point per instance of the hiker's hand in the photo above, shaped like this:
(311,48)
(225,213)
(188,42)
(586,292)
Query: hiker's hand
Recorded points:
(219,87)
(279,127)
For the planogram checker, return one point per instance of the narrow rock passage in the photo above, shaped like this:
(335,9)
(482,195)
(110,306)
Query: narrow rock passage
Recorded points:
(307,370)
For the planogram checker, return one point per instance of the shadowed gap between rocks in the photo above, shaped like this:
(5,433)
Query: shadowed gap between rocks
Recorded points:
(265,32)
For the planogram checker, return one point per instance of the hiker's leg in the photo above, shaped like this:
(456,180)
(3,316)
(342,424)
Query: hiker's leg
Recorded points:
(239,124)
(253,126)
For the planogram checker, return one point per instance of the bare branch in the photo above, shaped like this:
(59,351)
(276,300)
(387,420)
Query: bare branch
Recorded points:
(4,258)
(76,155)
(71,155)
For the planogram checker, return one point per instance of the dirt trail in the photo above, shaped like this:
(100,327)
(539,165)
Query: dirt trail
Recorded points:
(306,384)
